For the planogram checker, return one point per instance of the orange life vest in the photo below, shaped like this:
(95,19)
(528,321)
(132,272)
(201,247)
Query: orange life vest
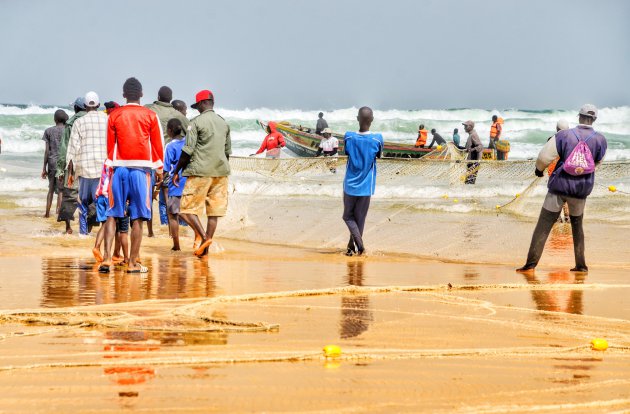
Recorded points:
(494,129)
(422,137)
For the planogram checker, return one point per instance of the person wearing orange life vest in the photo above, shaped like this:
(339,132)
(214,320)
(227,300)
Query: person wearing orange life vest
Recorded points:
(495,131)
(273,142)
(422,137)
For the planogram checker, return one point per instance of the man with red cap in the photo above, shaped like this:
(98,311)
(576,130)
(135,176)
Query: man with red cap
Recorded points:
(204,161)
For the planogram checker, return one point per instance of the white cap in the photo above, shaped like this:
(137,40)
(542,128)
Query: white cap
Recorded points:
(327,131)
(562,124)
(588,110)
(91,99)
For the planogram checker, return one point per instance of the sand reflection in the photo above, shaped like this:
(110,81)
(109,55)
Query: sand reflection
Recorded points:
(355,310)
(568,301)
(76,282)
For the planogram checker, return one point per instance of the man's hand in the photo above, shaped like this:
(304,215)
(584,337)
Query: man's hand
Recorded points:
(176,180)
(159,177)
(44,174)
(539,173)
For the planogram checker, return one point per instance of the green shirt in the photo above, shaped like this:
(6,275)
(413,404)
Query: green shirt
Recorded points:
(63,144)
(209,145)
(165,113)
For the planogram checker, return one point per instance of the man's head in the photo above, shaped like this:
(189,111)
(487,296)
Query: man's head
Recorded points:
(60,116)
(110,106)
(562,124)
(468,126)
(421,126)
(455,131)
(433,131)
(79,104)
(204,100)
(165,94)
(321,115)
(174,127)
(92,101)
(365,118)
(494,118)
(327,133)
(132,90)
(588,114)
(180,106)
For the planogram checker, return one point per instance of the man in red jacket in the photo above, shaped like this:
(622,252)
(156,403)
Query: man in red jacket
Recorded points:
(134,148)
(273,142)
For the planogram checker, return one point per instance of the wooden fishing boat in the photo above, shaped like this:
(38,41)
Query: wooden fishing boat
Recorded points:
(304,143)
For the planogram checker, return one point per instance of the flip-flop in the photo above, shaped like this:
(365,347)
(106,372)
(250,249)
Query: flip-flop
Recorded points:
(103,268)
(143,269)
(97,254)
(200,251)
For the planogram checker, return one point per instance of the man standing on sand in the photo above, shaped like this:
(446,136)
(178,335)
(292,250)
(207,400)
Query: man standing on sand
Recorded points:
(579,150)
(52,138)
(70,191)
(134,149)
(204,161)
(474,148)
(321,124)
(87,150)
(362,149)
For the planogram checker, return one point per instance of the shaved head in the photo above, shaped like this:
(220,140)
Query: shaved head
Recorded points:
(165,94)
(180,106)
(365,118)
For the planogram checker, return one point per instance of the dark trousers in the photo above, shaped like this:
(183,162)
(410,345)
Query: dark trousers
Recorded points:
(87,197)
(355,209)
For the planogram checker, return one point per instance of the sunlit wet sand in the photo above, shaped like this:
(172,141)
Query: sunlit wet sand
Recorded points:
(243,330)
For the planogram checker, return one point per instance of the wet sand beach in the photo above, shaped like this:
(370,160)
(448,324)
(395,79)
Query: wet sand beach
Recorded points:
(243,329)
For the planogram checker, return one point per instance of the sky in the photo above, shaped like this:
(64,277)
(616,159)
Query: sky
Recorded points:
(403,54)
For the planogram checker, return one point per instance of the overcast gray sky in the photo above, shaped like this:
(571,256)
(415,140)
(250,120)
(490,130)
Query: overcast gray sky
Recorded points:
(322,54)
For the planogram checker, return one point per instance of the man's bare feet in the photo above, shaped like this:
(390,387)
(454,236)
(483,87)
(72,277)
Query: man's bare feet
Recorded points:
(97,254)
(68,231)
(47,215)
(175,249)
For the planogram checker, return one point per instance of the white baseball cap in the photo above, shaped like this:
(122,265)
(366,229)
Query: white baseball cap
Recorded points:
(91,100)
(589,110)
(562,124)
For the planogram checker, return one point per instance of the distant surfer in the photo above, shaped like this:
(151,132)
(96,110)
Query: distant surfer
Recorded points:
(474,148)
(421,141)
(437,138)
(580,150)
(362,149)
(321,124)
(273,142)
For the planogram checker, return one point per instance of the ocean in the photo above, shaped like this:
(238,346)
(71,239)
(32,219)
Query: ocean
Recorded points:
(22,126)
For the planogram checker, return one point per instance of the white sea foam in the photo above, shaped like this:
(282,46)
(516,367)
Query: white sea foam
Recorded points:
(29,110)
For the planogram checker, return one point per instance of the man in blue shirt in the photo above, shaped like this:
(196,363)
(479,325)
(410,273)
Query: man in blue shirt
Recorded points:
(362,149)
(172,152)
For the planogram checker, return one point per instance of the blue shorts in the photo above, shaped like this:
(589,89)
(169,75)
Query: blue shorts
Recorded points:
(101,209)
(133,185)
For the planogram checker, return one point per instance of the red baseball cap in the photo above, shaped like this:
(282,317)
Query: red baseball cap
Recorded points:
(202,96)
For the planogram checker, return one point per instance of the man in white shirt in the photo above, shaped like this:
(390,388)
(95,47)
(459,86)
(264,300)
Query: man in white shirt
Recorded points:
(87,150)
(329,145)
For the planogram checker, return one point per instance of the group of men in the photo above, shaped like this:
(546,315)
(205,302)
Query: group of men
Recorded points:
(112,162)
(495,135)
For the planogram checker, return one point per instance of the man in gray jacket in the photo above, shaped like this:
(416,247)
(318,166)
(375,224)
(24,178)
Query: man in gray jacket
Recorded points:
(474,148)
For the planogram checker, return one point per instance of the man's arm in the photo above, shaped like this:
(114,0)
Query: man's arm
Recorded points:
(73,147)
(228,144)
(63,150)
(263,146)
(45,170)
(547,154)
(157,145)
(432,142)
(499,130)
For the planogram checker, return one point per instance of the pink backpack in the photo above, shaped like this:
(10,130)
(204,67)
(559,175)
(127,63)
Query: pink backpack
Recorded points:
(580,161)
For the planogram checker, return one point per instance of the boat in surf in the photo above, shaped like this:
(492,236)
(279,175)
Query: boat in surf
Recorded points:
(303,142)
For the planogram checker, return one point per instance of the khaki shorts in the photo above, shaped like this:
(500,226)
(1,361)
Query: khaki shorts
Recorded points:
(208,192)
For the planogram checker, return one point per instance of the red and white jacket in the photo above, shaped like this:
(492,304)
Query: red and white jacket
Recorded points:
(134,138)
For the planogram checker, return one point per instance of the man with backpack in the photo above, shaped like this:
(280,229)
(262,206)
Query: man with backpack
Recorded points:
(579,151)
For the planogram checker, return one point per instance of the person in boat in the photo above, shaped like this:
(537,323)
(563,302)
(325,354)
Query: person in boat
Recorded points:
(321,124)
(359,183)
(561,125)
(456,139)
(273,142)
(580,150)
(495,131)
(474,148)
(437,138)
(329,145)
(421,141)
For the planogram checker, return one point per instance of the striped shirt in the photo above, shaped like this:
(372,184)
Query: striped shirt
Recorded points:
(87,148)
